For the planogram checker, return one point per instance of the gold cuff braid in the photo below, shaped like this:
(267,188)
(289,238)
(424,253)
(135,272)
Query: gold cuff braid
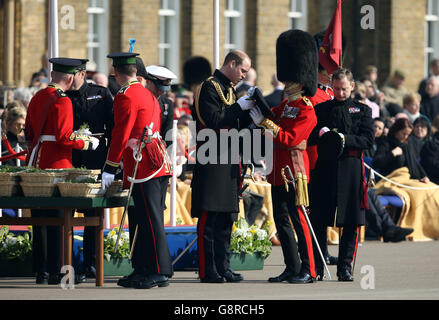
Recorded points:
(267,124)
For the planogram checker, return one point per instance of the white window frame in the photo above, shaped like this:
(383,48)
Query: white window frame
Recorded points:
(431,50)
(234,15)
(297,14)
(169,44)
(97,40)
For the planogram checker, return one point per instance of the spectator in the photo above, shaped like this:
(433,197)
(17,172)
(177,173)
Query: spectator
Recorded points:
(434,67)
(421,133)
(100,79)
(430,158)
(276,96)
(411,104)
(371,74)
(395,152)
(12,131)
(430,101)
(24,95)
(394,90)
(435,125)
(38,81)
(360,95)
(376,96)
(248,82)
(378,127)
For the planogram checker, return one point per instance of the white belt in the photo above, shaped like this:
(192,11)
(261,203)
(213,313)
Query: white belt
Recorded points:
(43,138)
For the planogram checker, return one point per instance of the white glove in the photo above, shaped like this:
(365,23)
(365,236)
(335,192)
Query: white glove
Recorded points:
(245,103)
(323,131)
(256,115)
(107,179)
(94,142)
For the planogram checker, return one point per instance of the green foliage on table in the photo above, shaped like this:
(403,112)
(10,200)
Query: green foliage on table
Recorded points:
(123,249)
(14,246)
(8,168)
(250,239)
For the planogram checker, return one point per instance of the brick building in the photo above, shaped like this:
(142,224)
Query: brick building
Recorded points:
(404,35)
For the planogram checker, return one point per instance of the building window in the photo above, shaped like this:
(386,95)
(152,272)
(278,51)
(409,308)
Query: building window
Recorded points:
(97,38)
(431,33)
(169,35)
(235,25)
(297,14)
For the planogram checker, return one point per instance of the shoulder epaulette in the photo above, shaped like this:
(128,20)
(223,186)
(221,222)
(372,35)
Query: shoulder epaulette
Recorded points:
(61,93)
(307,101)
(123,90)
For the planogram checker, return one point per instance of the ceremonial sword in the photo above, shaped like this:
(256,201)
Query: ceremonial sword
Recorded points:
(137,157)
(305,213)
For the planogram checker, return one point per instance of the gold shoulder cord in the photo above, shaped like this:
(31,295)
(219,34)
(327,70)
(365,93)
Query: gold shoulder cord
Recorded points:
(227,101)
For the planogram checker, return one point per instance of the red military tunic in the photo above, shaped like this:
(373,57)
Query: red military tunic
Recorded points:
(134,108)
(295,119)
(323,93)
(56,138)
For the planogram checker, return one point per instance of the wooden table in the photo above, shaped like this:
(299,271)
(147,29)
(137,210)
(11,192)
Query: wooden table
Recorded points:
(67,204)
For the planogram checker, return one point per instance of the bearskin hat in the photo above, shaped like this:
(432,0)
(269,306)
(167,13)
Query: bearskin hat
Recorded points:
(196,69)
(318,37)
(297,59)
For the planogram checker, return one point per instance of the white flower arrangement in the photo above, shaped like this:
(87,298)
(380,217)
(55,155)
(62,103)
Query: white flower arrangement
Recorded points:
(250,239)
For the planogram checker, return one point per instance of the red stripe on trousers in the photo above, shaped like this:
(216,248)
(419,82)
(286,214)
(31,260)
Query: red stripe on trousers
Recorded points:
(201,255)
(355,251)
(152,230)
(308,240)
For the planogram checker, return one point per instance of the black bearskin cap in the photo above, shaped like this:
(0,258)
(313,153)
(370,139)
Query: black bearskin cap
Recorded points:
(318,37)
(297,59)
(196,69)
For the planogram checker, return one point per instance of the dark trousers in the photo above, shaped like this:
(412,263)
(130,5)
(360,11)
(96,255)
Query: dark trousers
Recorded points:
(151,251)
(378,218)
(320,230)
(47,243)
(285,212)
(348,246)
(214,231)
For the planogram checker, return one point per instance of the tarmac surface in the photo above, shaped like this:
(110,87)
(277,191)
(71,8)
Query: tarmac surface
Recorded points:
(383,271)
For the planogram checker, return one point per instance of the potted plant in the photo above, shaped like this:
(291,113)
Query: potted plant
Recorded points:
(117,263)
(15,253)
(250,245)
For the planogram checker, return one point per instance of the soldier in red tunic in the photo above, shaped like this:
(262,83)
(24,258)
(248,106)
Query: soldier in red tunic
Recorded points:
(135,108)
(296,60)
(49,131)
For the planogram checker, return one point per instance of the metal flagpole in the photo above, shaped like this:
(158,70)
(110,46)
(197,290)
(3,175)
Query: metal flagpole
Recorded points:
(216,34)
(53,31)
(174,175)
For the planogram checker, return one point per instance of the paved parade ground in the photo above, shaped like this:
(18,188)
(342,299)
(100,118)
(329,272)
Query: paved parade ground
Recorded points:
(395,271)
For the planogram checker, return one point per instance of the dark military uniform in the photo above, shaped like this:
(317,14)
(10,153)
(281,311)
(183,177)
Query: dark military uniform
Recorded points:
(93,105)
(215,187)
(167,107)
(338,187)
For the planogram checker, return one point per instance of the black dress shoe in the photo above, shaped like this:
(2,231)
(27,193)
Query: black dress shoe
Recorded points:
(41,277)
(130,280)
(212,279)
(319,275)
(284,276)
(55,278)
(80,278)
(303,277)
(153,280)
(231,276)
(344,275)
(90,272)
(397,234)
(331,260)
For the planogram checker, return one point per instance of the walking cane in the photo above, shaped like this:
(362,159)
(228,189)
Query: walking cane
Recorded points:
(305,212)
(137,157)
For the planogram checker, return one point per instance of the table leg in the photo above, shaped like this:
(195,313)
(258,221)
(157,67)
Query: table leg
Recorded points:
(100,249)
(68,237)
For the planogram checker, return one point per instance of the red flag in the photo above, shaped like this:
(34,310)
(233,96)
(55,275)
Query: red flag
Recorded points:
(331,49)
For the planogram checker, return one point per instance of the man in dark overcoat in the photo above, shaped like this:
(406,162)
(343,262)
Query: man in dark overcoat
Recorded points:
(216,183)
(339,190)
